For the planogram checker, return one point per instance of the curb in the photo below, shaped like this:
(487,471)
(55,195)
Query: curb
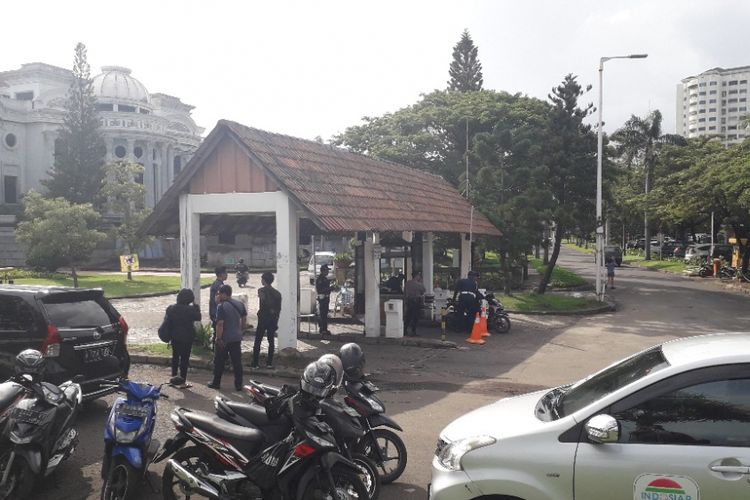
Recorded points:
(405,341)
(202,364)
(149,295)
(609,306)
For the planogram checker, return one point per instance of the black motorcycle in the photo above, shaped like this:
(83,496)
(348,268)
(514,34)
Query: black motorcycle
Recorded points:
(39,433)
(381,445)
(230,461)
(344,422)
(242,277)
(498,320)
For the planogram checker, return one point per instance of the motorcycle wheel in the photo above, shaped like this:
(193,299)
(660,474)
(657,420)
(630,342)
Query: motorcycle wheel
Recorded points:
(121,482)
(500,324)
(20,480)
(369,477)
(171,488)
(392,449)
(348,486)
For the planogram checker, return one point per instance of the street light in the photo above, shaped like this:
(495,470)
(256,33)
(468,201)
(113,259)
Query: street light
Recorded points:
(599,227)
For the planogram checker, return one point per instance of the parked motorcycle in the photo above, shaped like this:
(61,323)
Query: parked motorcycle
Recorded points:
(498,320)
(381,445)
(128,444)
(39,433)
(231,461)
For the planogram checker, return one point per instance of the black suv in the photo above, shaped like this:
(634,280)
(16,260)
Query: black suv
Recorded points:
(77,330)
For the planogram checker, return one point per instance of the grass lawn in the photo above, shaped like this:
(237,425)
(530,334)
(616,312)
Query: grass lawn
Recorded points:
(573,246)
(162,349)
(551,302)
(561,277)
(115,285)
(675,266)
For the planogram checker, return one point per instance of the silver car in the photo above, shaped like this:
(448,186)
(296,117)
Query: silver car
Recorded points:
(669,423)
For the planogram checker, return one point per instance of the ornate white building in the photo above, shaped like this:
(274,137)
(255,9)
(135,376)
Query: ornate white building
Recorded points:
(155,130)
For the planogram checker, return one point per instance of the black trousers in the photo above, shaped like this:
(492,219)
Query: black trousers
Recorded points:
(267,327)
(411,315)
(468,306)
(234,351)
(181,357)
(323,306)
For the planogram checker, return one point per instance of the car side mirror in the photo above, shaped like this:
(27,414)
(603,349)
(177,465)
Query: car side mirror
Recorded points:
(602,429)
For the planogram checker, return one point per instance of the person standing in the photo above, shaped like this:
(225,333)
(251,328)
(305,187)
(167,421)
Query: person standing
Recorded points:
(611,272)
(466,291)
(213,294)
(231,319)
(323,289)
(414,291)
(181,317)
(269,308)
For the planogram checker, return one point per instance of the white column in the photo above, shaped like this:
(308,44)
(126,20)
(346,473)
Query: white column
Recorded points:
(190,241)
(465,255)
(428,264)
(287,274)
(372,286)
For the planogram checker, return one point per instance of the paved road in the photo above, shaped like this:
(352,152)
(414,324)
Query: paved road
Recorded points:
(424,389)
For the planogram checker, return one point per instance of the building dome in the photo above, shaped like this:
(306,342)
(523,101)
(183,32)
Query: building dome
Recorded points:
(116,84)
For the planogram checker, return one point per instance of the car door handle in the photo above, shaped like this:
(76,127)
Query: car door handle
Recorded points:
(731,469)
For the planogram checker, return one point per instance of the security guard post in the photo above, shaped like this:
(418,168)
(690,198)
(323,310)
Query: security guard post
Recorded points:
(323,289)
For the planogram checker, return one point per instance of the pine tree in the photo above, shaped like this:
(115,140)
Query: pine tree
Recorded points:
(78,170)
(465,69)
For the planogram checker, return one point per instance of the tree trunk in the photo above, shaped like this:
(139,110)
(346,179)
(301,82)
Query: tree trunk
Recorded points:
(646,229)
(551,266)
(506,272)
(75,276)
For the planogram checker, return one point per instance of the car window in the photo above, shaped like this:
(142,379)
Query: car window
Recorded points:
(714,413)
(77,314)
(15,314)
(609,380)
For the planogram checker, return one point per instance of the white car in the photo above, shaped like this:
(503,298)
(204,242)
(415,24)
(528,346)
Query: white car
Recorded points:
(668,423)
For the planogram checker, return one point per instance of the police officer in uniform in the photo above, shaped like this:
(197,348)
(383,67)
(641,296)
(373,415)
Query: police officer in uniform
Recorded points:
(469,298)
(323,289)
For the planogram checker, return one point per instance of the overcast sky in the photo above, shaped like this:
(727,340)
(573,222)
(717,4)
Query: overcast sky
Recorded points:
(309,68)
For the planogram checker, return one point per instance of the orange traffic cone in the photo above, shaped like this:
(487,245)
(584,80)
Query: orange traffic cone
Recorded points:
(483,331)
(476,334)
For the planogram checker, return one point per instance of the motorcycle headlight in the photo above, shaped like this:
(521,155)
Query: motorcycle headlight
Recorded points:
(375,404)
(450,456)
(320,441)
(128,437)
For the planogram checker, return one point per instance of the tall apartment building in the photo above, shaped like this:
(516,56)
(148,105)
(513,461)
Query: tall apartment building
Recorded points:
(714,103)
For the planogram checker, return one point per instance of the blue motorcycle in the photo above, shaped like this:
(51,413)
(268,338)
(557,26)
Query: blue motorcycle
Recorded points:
(128,444)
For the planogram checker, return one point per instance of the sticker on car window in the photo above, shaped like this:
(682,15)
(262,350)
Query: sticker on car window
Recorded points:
(662,487)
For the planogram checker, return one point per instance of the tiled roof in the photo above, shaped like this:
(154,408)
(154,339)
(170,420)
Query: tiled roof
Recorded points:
(346,192)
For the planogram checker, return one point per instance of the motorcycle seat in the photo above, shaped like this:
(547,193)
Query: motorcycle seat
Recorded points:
(254,413)
(8,392)
(218,426)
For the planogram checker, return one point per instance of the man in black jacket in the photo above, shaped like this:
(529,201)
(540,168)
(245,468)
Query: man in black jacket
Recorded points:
(269,308)
(180,320)
(323,289)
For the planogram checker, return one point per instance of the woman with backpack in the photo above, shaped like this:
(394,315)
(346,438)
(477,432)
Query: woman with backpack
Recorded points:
(179,322)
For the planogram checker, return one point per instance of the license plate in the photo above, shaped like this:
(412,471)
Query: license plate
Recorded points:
(132,410)
(98,354)
(28,416)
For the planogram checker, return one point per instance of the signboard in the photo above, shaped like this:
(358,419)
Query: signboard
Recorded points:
(129,263)
(664,487)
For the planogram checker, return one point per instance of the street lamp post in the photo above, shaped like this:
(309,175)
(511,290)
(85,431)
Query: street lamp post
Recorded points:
(599,258)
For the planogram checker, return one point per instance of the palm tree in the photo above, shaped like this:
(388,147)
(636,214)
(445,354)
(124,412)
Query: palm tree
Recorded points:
(638,143)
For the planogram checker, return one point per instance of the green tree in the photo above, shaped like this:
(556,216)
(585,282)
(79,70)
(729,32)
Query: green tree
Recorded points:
(58,233)
(570,173)
(80,150)
(126,197)
(639,141)
(465,69)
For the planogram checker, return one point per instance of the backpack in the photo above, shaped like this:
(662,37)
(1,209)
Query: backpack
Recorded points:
(164,334)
